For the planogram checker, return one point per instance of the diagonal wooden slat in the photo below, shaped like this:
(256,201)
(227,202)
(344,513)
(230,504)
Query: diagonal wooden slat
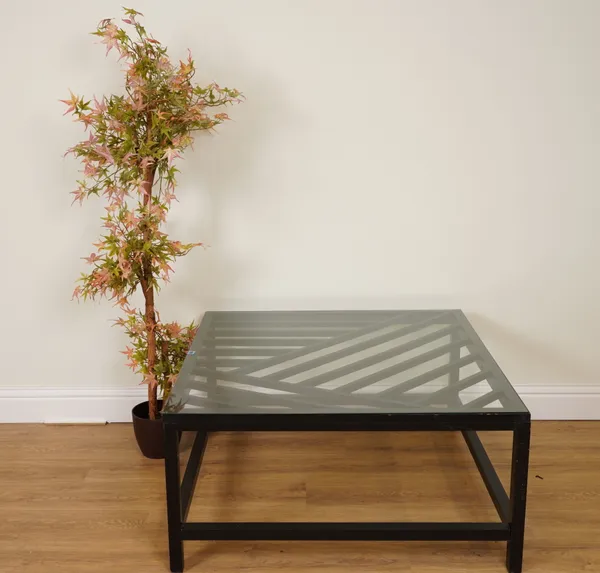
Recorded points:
(409,315)
(394,370)
(306,317)
(385,355)
(232,398)
(330,344)
(453,388)
(233,352)
(233,362)
(265,322)
(310,396)
(235,399)
(499,381)
(427,376)
(274,342)
(278,331)
(482,401)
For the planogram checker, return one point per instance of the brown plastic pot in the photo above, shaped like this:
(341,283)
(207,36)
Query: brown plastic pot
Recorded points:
(148,433)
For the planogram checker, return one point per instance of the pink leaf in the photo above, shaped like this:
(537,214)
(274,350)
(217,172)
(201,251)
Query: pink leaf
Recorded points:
(72,103)
(170,155)
(104,152)
(79,196)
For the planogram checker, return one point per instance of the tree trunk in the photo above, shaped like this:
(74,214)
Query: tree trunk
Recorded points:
(149,311)
(150,316)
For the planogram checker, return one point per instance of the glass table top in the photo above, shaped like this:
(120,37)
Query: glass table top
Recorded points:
(382,361)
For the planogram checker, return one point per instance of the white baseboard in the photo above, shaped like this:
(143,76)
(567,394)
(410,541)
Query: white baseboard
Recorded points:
(69,405)
(561,402)
(101,405)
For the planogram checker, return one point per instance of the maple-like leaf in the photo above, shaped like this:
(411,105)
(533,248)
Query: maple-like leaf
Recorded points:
(77,292)
(170,155)
(100,106)
(138,103)
(104,152)
(87,120)
(109,36)
(71,103)
(89,170)
(128,352)
(91,259)
(79,196)
(173,329)
(131,220)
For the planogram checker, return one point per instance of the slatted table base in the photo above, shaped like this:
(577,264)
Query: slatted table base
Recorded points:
(510,507)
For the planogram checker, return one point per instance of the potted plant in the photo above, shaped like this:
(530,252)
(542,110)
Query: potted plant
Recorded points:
(129,161)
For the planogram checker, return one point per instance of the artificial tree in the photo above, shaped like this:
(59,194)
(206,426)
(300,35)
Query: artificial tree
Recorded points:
(128,159)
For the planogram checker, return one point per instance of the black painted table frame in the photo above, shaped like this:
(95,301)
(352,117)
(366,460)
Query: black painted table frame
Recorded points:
(510,507)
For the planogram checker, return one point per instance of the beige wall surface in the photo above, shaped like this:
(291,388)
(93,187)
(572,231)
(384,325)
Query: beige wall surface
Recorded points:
(390,154)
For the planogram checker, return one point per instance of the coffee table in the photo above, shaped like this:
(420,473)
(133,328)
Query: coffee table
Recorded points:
(368,371)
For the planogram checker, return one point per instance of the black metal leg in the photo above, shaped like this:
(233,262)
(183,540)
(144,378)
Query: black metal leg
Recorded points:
(454,374)
(488,474)
(518,496)
(173,497)
(188,484)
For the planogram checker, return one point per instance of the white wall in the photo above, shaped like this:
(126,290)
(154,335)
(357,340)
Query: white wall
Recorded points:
(390,154)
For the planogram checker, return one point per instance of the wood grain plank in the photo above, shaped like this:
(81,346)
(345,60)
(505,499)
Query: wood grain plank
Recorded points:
(80,499)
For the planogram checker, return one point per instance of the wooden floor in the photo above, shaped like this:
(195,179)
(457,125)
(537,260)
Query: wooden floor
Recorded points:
(81,498)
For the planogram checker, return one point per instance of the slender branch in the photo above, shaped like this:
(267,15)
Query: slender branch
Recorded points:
(148,290)
(158,113)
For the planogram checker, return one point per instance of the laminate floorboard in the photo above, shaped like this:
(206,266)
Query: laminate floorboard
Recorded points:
(79,499)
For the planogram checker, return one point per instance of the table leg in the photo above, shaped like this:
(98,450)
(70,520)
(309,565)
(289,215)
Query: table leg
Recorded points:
(518,496)
(172,480)
(454,375)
